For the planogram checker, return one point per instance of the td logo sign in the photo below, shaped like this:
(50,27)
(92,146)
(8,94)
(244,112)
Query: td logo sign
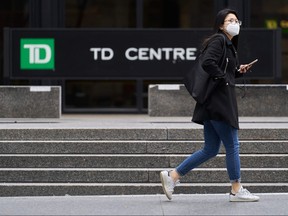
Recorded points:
(37,53)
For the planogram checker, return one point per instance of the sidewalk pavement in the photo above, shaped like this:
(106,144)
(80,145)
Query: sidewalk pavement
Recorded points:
(111,121)
(196,204)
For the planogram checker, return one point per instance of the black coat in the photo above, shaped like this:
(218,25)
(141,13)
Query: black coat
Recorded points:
(222,104)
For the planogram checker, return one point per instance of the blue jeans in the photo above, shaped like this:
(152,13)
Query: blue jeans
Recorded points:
(214,133)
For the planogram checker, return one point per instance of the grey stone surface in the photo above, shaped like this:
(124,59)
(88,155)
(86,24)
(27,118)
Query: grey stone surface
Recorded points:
(74,175)
(258,100)
(132,147)
(145,175)
(85,161)
(247,161)
(263,100)
(133,161)
(220,175)
(163,133)
(196,204)
(73,147)
(83,134)
(244,134)
(82,155)
(173,101)
(187,147)
(30,101)
(74,189)
(263,134)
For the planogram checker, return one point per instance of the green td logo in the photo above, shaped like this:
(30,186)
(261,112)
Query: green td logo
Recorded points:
(37,53)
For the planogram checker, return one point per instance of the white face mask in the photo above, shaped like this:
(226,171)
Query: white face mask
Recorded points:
(233,29)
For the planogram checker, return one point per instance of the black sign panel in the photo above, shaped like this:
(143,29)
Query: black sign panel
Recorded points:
(125,54)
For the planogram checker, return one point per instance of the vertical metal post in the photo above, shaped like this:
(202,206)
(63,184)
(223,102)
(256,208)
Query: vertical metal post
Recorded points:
(278,55)
(219,5)
(139,82)
(139,94)
(238,6)
(246,13)
(139,13)
(7,57)
(34,14)
(46,13)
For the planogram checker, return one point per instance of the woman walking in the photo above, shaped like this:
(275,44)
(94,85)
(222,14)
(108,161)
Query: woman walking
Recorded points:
(219,114)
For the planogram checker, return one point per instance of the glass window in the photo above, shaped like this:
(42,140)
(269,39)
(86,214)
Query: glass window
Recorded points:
(13,13)
(273,14)
(100,13)
(100,94)
(178,13)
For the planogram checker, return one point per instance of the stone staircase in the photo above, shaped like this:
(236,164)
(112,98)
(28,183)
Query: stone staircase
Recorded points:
(114,161)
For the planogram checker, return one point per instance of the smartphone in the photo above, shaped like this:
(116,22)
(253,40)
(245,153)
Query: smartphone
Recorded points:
(251,63)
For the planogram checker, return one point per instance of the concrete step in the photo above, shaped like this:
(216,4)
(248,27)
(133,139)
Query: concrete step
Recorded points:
(132,147)
(144,175)
(125,156)
(62,189)
(132,161)
(133,133)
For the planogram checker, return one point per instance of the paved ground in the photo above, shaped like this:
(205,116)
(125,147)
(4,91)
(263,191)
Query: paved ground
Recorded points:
(215,204)
(131,121)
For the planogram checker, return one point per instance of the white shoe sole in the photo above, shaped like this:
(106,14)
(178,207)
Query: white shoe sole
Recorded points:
(243,200)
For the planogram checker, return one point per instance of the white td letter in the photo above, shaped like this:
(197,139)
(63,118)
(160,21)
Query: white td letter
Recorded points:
(110,53)
(34,53)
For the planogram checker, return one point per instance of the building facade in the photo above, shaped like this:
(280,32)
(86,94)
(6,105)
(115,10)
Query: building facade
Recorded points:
(129,94)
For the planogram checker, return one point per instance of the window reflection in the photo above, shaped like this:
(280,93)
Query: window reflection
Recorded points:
(100,13)
(100,94)
(13,13)
(272,14)
(178,13)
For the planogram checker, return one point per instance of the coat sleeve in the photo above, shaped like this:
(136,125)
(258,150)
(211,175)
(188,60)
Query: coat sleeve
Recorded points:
(238,74)
(213,57)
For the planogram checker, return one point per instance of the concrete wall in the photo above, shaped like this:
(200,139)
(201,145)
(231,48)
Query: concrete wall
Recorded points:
(30,101)
(259,100)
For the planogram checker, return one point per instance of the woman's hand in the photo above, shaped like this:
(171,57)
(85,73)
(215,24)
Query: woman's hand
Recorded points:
(244,68)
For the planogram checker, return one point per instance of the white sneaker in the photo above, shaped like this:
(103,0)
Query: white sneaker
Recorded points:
(243,195)
(167,184)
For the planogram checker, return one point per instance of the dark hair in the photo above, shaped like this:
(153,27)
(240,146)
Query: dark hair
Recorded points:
(219,21)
